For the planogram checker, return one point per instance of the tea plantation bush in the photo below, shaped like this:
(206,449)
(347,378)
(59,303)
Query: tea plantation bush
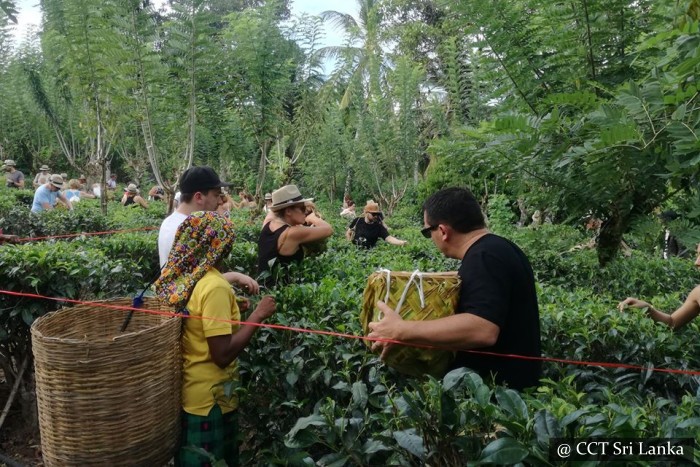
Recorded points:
(312,399)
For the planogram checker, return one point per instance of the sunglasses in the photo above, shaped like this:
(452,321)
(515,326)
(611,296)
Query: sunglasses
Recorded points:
(425,231)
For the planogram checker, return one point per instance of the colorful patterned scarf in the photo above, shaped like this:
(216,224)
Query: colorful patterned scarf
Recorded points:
(201,241)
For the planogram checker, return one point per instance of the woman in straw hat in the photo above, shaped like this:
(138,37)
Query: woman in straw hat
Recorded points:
(191,282)
(282,238)
(366,230)
(132,197)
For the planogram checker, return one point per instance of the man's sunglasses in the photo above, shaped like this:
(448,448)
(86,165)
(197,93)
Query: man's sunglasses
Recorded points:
(425,231)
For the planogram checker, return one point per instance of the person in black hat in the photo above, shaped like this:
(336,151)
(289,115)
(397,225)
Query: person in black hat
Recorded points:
(200,189)
(282,238)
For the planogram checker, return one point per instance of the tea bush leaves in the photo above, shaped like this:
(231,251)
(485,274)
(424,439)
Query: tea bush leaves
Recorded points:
(311,399)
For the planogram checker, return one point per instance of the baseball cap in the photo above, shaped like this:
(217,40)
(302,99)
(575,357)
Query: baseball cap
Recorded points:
(200,178)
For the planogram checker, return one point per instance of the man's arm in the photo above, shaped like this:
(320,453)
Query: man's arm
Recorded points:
(65,201)
(459,332)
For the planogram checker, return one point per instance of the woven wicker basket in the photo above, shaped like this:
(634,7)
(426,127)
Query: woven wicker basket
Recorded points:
(420,296)
(105,397)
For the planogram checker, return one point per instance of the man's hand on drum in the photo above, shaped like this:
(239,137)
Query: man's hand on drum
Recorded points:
(387,328)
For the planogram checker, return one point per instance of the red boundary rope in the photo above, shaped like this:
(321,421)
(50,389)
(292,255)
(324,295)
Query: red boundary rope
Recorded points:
(352,336)
(87,234)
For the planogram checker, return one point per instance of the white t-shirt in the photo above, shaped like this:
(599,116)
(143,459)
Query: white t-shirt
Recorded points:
(166,235)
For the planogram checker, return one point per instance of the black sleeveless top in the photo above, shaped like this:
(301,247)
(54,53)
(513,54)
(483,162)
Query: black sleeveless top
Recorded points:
(267,248)
(129,200)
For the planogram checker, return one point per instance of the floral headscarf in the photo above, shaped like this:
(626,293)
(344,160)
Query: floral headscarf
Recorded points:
(201,241)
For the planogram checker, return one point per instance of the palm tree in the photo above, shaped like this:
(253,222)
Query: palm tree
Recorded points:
(361,59)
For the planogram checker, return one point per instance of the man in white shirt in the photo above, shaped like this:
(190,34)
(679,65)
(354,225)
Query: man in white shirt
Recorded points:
(200,189)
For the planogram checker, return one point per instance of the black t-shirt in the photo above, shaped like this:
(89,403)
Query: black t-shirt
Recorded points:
(366,235)
(498,285)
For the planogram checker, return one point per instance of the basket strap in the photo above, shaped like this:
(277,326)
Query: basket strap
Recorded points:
(419,284)
(388,282)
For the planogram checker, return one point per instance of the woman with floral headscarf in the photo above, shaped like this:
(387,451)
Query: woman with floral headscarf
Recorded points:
(192,283)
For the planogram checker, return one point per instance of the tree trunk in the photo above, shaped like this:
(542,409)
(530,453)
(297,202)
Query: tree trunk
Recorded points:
(610,238)
(262,169)
(348,183)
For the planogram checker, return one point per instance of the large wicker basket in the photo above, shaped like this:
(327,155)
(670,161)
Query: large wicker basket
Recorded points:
(105,397)
(418,296)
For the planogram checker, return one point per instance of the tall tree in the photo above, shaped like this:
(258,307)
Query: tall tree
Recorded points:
(261,65)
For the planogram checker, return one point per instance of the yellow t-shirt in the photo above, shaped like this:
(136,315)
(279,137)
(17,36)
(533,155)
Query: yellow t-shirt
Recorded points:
(202,384)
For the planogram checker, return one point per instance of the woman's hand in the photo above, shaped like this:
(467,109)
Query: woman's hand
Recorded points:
(631,302)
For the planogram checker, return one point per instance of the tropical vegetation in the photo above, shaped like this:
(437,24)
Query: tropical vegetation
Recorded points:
(569,110)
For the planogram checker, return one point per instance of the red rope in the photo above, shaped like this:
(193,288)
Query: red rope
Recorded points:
(107,232)
(352,336)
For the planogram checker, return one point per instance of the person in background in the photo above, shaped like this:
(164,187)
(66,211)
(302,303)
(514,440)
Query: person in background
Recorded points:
(269,213)
(226,204)
(132,196)
(156,193)
(41,177)
(112,182)
(282,238)
(211,344)
(679,318)
(497,310)
(201,190)
(46,195)
(85,187)
(349,211)
(268,202)
(247,200)
(347,201)
(73,191)
(14,178)
(366,230)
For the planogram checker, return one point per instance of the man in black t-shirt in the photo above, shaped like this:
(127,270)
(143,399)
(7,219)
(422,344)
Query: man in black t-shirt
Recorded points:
(366,230)
(497,310)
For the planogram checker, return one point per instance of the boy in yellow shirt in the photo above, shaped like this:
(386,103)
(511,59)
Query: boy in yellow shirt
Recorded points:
(191,282)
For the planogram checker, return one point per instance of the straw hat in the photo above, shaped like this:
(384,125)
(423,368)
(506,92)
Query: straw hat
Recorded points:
(371,206)
(287,196)
(56,180)
(10,163)
(132,188)
(44,168)
(268,196)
